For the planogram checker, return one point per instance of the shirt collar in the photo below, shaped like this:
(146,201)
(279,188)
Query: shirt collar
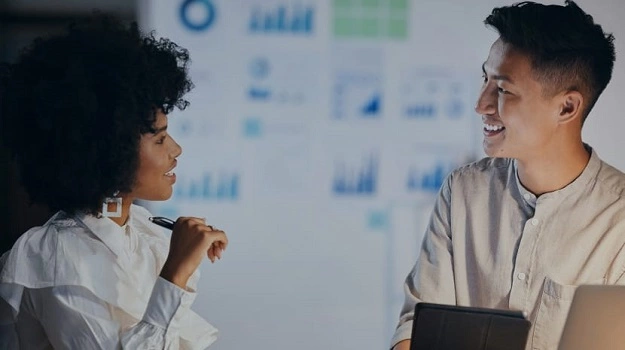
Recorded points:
(588,174)
(107,231)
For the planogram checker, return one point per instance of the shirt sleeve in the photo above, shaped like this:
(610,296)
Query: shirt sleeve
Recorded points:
(74,318)
(432,277)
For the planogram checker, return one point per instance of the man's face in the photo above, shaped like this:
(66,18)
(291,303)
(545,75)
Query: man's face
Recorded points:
(519,122)
(157,159)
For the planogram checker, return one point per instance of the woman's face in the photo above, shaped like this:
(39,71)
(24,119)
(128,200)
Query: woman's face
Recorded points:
(157,159)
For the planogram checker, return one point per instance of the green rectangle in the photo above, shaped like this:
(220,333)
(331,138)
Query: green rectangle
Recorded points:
(344,26)
(343,4)
(368,4)
(370,27)
(398,5)
(397,28)
(370,18)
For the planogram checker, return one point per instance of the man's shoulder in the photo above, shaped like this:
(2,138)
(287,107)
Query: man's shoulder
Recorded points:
(611,179)
(485,168)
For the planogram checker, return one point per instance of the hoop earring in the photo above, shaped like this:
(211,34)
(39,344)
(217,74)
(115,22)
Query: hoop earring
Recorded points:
(112,202)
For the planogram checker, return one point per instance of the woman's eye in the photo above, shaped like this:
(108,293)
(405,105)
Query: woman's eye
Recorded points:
(161,140)
(501,90)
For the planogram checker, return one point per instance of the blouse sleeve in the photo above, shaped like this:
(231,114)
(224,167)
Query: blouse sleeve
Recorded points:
(8,335)
(74,318)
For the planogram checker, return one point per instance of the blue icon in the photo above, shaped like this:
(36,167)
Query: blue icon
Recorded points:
(258,93)
(378,220)
(199,25)
(429,180)
(455,108)
(360,181)
(208,187)
(259,68)
(185,127)
(252,128)
(372,107)
(282,19)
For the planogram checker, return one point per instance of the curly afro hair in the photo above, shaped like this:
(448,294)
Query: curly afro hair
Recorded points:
(73,109)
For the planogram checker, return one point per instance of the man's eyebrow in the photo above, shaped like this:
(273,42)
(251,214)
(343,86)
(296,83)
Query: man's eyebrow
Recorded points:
(497,77)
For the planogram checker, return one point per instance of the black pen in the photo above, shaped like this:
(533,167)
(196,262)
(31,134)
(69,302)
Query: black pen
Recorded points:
(163,222)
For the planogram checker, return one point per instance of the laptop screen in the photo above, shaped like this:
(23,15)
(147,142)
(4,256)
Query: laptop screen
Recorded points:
(596,319)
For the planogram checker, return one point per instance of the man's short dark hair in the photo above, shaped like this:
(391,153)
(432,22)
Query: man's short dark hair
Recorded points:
(74,106)
(567,50)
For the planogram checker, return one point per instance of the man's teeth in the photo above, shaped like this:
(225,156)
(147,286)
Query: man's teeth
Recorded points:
(493,127)
(169,173)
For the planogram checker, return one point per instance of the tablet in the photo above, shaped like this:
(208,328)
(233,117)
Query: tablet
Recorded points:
(449,327)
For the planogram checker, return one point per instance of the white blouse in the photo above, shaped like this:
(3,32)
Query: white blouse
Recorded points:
(79,282)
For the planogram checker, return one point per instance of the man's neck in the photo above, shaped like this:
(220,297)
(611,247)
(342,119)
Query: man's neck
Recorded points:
(552,171)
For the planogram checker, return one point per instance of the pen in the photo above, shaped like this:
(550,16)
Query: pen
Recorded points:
(163,221)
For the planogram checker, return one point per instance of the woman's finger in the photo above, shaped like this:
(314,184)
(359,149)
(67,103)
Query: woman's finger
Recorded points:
(210,255)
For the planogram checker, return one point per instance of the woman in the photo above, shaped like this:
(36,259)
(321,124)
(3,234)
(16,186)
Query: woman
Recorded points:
(85,115)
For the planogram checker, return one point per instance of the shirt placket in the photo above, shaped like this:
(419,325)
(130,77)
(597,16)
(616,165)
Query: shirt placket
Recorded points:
(522,270)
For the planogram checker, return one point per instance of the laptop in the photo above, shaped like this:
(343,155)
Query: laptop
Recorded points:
(448,327)
(596,319)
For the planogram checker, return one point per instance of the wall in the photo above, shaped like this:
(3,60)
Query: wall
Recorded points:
(317,137)
(318,148)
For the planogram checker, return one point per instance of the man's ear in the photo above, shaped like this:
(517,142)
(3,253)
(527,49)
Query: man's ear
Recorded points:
(571,107)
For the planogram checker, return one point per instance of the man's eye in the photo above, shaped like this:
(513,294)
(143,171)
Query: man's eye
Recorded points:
(502,91)
(161,140)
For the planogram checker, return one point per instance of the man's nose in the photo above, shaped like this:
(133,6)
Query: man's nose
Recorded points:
(487,101)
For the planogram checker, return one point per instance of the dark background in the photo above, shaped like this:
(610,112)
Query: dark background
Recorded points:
(21,21)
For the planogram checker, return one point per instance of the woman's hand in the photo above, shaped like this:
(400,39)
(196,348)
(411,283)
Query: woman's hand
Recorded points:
(191,239)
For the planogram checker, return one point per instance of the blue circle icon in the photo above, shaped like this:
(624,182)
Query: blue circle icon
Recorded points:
(197,25)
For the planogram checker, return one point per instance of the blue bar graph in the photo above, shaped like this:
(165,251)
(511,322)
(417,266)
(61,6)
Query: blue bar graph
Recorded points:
(429,180)
(282,19)
(356,180)
(209,187)
(357,97)
(426,110)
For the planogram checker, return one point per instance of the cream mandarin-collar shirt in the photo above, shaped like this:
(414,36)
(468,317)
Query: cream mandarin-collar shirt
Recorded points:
(492,243)
(82,282)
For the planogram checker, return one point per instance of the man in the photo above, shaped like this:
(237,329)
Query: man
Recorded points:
(542,214)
